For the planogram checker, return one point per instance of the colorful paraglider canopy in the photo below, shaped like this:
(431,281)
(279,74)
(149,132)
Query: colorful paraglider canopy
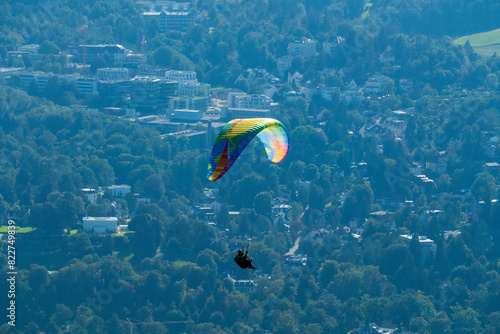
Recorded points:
(236,135)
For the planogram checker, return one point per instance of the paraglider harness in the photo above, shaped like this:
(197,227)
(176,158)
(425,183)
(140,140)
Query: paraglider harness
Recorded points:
(243,260)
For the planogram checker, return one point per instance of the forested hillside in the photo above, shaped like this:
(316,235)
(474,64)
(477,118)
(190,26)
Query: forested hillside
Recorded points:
(364,222)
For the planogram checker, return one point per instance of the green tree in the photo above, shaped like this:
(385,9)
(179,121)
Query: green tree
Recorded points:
(262,203)
(465,320)
(484,187)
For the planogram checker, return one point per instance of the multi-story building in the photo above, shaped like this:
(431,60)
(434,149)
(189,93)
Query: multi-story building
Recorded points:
(100,224)
(245,286)
(134,60)
(171,19)
(331,46)
(146,93)
(119,190)
(90,194)
(110,52)
(283,64)
(248,113)
(116,90)
(85,85)
(427,245)
(188,115)
(186,102)
(112,73)
(192,89)
(254,101)
(304,47)
(181,76)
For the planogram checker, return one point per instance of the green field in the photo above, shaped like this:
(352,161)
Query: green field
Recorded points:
(5,229)
(485,43)
(180,263)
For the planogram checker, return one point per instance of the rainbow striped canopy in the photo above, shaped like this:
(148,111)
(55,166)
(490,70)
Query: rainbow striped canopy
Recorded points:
(236,135)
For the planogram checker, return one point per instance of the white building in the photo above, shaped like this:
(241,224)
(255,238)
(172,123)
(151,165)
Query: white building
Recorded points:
(373,87)
(135,59)
(397,126)
(246,101)
(327,92)
(31,48)
(172,19)
(85,85)
(243,285)
(283,64)
(119,190)
(427,245)
(100,224)
(352,96)
(181,76)
(112,73)
(304,47)
(188,115)
(330,46)
(192,89)
(405,84)
(90,194)
(248,113)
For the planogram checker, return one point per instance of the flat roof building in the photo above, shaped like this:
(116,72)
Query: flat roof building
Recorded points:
(100,224)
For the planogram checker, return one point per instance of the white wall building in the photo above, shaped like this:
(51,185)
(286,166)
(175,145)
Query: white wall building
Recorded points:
(85,85)
(191,89)
(188,115)
(119,190)
(112,73)
(248,113)
(330,46)
(100,224)
(304,47)
(428,246)
(181,76)
(90,194)
(254,101)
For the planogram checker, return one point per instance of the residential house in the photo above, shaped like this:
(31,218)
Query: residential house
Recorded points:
(427,245)
(318,234)
(396,126)
(351,96)
(385,217)
(89,194)
(119,190)
(352,85)
(293,261)
(373,328)
(491,167)
(386,57)
(382,79)
(327,92)
(100,224)
(427,215)
(283,64)
(373,87)
(437,164)
(331,45)
(245,286)
(405,84)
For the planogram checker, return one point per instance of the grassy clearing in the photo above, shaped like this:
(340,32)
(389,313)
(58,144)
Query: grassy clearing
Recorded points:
(366,11)
(129,257)
(485,43)
(5,229)
(180,263)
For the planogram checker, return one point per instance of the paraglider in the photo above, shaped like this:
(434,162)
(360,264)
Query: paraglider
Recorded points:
(243,260)
(235,136)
